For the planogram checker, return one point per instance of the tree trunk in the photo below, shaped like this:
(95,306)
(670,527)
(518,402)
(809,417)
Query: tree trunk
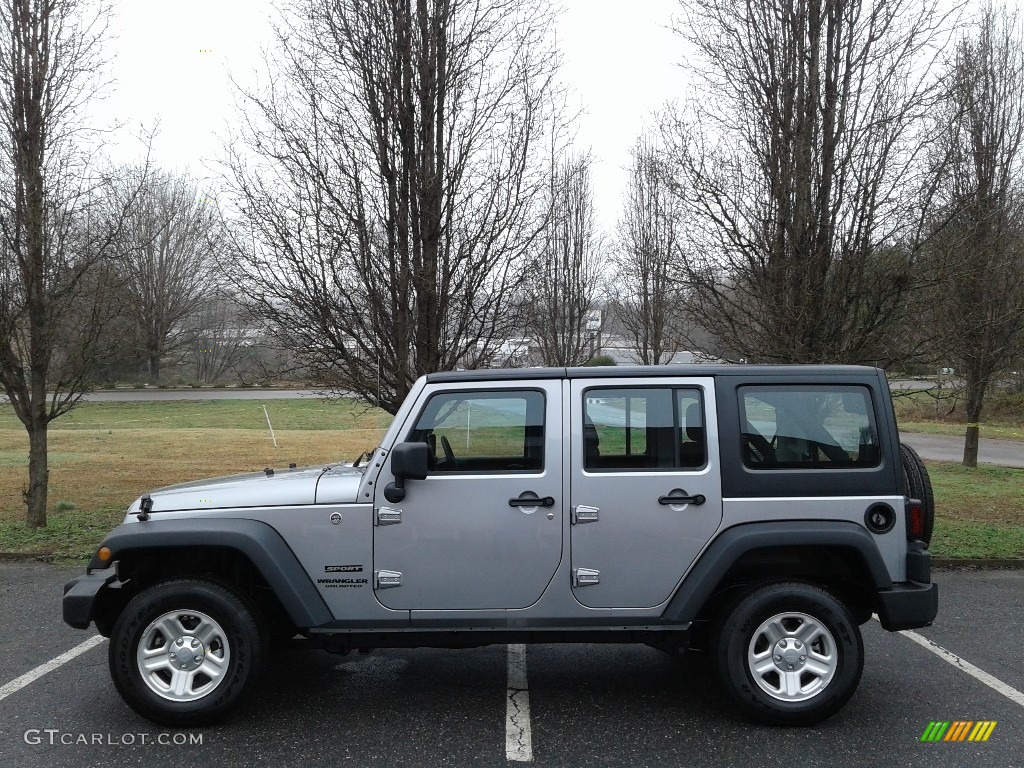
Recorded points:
(975,400)
(38,474)
(971,446)
(154,367)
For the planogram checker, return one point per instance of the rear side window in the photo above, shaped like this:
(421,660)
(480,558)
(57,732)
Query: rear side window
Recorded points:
(643,428)
(808,427)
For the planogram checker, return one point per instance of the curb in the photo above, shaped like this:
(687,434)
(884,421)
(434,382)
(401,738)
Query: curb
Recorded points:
(190,388)
(979,563)
(12,557)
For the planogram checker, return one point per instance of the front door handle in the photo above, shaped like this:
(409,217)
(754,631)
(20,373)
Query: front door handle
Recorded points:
(531,501)
(677,497)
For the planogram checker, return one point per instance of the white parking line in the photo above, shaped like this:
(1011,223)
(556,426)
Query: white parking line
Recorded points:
(34,674)
(978,674)
(518,741)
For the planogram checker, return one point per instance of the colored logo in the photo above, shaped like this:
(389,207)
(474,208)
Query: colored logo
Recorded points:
(958,730)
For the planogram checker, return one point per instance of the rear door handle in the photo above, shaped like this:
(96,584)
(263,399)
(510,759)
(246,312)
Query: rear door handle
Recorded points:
(531,501)
(677,497)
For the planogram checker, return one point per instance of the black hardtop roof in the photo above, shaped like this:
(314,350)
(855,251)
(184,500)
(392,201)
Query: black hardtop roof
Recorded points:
(636,371)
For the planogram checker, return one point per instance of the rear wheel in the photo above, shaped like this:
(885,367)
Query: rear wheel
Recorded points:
(182,652)
(790,654)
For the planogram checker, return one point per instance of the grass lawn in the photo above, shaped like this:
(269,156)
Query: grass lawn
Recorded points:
(1002,417)
(997,431)
(980,512)
(296,414)
(103,455)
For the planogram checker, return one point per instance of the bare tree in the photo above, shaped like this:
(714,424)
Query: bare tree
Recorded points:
(171,241)
(647,280)
(979,306)
(54,304)
(564,271)
(221,338)
(387,181)
(801,172)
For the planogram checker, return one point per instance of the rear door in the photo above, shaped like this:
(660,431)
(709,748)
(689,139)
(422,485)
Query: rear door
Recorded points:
(645,487)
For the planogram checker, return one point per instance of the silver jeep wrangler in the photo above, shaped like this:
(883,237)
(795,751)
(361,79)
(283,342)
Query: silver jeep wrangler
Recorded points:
(757,513)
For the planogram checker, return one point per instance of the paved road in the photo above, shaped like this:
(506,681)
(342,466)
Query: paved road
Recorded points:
(914,384)
(1007,453)
(590,705)
(160,395)
(146,395)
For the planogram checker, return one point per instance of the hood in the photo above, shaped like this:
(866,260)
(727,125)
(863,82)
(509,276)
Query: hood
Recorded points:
(337,483)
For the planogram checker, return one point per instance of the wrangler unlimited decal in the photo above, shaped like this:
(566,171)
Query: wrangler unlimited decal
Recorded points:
(342,582)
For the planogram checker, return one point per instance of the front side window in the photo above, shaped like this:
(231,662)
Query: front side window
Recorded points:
(483,431)
(808,427)
(643,428)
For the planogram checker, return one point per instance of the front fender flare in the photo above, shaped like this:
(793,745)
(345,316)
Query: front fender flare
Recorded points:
(258,541)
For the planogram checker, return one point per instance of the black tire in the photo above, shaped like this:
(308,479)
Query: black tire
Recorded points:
(803,613)
(231,647)
(919,486)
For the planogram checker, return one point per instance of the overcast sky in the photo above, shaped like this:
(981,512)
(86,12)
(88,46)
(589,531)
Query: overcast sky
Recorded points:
(172,63)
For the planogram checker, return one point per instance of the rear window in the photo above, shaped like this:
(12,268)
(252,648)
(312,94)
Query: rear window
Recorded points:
(808,427)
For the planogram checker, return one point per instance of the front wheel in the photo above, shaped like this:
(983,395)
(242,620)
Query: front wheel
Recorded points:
(182,652)
(790,654)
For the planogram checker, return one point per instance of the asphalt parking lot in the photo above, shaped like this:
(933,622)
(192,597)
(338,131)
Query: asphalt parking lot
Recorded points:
(588,705)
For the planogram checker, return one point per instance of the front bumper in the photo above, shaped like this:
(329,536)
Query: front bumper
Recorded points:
(908,605)
(80,596)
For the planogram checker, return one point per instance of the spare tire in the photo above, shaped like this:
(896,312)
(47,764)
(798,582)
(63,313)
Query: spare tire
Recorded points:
(919,486)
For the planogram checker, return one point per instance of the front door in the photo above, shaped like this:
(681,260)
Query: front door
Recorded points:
(646,487)
(483,530)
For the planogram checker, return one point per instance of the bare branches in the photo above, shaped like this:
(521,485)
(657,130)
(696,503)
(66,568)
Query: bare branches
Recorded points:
(647,282)
(564,271)
(978,257)
(221,342)
(388,184)
(803,176)
(54,302)
(170,243)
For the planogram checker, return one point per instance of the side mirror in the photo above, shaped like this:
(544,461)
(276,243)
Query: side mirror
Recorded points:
(409,461)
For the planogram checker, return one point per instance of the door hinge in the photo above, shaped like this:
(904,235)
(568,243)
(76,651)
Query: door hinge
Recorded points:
(385,579)
(584,577)
(387,516)
(584,514)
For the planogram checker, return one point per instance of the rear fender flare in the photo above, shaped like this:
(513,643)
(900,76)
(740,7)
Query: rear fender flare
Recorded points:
(731,545)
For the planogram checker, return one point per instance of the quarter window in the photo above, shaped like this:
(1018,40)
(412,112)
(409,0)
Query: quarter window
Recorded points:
(483,431)
(808,427)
